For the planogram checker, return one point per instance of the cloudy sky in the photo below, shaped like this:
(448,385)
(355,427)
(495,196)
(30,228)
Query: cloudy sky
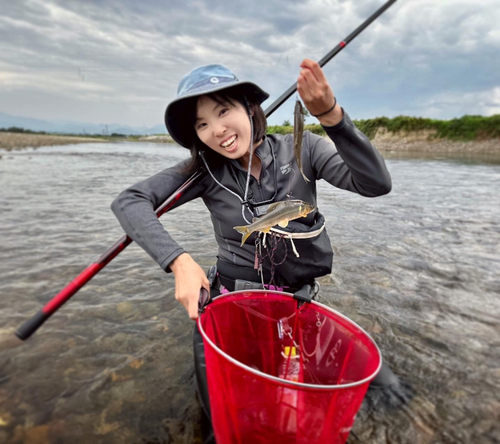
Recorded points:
(104,61)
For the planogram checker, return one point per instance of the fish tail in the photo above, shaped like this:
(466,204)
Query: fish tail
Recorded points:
(245,231)
(304,176)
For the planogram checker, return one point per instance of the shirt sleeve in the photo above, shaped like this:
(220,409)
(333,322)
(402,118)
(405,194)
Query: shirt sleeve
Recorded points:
(351,162)
(135,209)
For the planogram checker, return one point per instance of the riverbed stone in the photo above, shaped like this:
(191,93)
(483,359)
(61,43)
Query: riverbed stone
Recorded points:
(5,419)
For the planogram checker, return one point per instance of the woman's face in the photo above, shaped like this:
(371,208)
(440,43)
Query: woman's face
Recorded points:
(223,128)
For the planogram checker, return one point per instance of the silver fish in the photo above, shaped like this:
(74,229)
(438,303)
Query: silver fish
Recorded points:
(298,132)
(278,213)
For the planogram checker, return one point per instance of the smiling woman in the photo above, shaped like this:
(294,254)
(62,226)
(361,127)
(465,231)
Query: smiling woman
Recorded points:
(226,109)
(225,128)
(220,119)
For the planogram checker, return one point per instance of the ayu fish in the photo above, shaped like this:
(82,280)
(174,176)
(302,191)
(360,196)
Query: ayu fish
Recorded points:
(298,132)
(278,213)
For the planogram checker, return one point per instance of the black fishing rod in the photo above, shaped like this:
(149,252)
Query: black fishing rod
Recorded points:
(287,94)
(36,321)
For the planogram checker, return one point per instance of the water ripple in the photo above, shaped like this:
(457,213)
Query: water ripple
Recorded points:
(417,268)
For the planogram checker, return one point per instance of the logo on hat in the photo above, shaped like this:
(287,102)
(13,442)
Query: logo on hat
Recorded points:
(214,80)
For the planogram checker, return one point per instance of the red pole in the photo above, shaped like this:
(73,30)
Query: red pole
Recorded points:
(35,322)
(32,324)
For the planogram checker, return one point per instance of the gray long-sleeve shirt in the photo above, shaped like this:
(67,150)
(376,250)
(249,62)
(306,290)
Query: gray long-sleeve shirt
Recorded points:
(350,163)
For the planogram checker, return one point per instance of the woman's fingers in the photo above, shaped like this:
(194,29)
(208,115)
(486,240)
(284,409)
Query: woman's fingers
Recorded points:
(193,297)
(193,306)
(304,89)
(315,81)
(189,279)
(195,300)
(315,69)
(313,88)
(302,86)
(189,298)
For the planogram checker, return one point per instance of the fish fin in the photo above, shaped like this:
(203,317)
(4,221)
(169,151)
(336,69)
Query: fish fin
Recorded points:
(245,232)
(265,230)
(283,223)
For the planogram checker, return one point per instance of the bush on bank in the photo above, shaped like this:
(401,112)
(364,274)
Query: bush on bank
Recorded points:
(15,129)
(288,129)
(465,128)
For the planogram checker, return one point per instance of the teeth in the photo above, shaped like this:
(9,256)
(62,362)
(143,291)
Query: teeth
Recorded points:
(229,142)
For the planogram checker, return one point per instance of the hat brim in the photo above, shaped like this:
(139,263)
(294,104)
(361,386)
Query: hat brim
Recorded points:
(174,114)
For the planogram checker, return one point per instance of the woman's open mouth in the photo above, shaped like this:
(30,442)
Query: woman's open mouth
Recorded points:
(230,144)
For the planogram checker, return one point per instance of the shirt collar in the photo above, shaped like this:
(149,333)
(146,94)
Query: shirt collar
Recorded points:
(263,152)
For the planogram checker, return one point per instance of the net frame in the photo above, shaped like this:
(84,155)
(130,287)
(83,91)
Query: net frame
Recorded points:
(285,382)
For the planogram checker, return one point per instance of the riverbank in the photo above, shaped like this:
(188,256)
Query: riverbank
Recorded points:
(163,138)
(16,141)
(426,141)
(465,135)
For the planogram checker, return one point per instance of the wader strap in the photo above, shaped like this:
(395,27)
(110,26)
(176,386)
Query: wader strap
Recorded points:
(241,284)
(307,235)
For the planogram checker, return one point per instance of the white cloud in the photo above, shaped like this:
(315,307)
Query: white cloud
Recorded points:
(485,103)
(414,57)
(19,80)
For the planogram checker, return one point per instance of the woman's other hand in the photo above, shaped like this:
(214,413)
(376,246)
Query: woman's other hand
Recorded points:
(316,93)
(189,279)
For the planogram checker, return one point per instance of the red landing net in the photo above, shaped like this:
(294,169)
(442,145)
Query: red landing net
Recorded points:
(282,374)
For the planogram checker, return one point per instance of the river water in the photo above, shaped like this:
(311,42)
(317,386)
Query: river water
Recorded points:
(419,269)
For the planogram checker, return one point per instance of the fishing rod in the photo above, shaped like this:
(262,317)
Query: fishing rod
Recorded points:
(35,322)
(286,95)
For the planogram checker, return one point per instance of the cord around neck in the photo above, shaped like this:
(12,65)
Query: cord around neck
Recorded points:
(244,201)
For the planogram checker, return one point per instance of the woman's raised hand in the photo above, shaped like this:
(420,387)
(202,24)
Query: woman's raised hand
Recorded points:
(316,93)
(189,279)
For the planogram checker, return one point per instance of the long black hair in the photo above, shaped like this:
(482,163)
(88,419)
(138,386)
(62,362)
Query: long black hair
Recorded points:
(223,97)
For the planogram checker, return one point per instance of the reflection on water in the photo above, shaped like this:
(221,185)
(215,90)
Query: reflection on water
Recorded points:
(419,269)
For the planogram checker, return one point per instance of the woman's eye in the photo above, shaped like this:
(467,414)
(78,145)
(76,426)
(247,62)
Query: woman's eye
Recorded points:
(222,111)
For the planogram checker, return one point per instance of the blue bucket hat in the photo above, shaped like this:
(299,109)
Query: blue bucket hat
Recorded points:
(204,80)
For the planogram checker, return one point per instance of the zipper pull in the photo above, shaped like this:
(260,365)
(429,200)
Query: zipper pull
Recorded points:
(256,261)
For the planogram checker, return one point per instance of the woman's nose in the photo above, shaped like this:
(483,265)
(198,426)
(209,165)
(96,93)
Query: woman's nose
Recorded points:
(219,130)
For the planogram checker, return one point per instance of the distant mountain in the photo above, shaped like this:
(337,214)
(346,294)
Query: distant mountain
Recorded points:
(69,127)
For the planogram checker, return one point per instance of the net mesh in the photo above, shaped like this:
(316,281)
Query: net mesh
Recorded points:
(278,342)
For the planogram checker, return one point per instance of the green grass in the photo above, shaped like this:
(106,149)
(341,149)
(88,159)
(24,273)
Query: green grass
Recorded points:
(465,128)
(288,129)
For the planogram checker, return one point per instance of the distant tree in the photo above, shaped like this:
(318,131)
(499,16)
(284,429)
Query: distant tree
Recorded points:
(15,129)
(286,123)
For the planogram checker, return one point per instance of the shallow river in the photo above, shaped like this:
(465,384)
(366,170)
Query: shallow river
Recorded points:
(419,269)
